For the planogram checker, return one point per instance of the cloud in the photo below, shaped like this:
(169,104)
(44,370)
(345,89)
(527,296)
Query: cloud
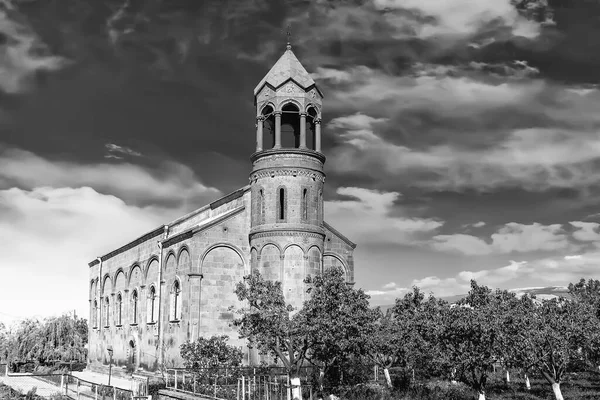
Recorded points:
(51,234)
(440,18)
(116,151)
(387,294)
(22,55)
(586,231)
(535,159)
(169,183)
(479,224)
(371,217)
(559,270)
(510,238)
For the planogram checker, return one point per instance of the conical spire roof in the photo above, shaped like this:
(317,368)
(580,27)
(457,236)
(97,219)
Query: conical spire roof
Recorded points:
(287,67)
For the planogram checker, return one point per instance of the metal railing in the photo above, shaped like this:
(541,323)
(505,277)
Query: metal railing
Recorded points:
(68,385)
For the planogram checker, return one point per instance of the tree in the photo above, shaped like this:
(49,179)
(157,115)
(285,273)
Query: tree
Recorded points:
(213,352)
(269,324)
(474,337)
(338,320)
(587,292)
(551,335)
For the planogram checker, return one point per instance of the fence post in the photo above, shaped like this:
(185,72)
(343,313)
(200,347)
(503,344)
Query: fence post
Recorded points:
(6,369)
(96,396)
(175,379)
(78,389)
(243,388)
(62,382)
(114,393)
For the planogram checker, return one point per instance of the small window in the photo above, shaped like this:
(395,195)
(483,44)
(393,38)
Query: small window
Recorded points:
(281,204)
(119,310)
(134,307)
(94,315)
(106,312)
(152,307)
(175,313)
(305,204)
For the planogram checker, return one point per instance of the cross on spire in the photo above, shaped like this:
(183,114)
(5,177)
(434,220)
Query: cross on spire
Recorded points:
(289,34)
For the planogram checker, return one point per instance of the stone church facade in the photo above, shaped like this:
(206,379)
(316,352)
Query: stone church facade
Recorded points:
(176,283)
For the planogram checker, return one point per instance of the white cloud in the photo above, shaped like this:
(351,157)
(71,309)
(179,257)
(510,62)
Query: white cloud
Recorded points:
(50,234)
(535,159)
(57,216)
(169,182)
(553,271)
(22,56)
(510,238)
(390,285)
(116,151)
(479,224)
(586,231)
(460,17)
(370,218)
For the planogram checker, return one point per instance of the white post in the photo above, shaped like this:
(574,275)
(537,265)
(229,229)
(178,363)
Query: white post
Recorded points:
(78,389)
(243,388)
(114,393)
(175,379)
(96,395)
(62,383)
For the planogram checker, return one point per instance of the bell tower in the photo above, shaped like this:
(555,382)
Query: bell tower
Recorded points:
(287,233)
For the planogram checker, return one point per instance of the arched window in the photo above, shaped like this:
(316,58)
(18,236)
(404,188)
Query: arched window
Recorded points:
(304,205)
(119,310)
(281,204)
(106,312)
(152,307)
(134,307)
(261,209)
(320,207)
(94,315)
(175,313)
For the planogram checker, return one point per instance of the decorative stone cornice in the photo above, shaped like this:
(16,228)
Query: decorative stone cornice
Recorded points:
(282,151)
(265,231)
(273,172)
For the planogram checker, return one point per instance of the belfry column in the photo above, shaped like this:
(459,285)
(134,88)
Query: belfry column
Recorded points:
(259,132)
(277,129)
(318,134)
(303,130)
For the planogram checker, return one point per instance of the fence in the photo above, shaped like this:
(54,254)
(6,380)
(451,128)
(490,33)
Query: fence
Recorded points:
(238,383)
(47,385)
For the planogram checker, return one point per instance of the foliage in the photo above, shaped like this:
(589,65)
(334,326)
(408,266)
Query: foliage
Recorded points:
(54,339)
(337,319)
(213,352)
(269,323)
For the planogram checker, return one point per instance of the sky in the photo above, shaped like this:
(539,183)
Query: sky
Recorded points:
(462,137)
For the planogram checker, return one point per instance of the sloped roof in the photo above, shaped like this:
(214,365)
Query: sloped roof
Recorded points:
(285,68)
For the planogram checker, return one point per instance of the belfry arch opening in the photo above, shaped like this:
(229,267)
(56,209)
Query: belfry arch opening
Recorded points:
(290,126)
(268,123)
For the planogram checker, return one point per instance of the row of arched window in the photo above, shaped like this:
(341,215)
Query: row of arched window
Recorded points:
(282,202)
(103,308)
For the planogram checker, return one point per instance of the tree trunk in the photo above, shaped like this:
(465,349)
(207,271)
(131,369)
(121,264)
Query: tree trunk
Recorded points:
(295,387)
(388,380)
(557,393)
(321,378)
(527,384)
(507,376)
(481,395)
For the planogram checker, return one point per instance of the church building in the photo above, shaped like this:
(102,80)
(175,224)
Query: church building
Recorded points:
(176,283)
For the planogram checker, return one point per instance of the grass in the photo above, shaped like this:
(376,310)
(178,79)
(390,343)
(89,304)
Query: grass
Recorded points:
(8,393)
(580,386)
